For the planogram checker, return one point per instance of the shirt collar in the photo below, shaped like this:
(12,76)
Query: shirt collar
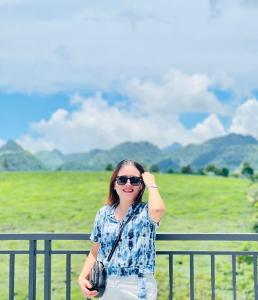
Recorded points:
(132,208)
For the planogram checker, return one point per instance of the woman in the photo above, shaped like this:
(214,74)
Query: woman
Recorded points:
(130,272)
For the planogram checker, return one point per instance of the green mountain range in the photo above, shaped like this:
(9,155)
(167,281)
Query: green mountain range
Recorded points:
(14,158)
(228,151)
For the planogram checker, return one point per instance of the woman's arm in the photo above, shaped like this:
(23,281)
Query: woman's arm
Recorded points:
(90,259)
(155,202)
(83,278)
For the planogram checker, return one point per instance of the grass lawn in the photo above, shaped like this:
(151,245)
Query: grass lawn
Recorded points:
(68,201)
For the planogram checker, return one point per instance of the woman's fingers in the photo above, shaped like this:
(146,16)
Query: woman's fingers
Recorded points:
(85,284)
(88,284)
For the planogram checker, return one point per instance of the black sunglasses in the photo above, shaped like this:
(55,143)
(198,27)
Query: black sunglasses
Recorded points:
(134,180)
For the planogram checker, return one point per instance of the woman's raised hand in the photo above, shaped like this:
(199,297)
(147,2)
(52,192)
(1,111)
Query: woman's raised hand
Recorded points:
(148,178)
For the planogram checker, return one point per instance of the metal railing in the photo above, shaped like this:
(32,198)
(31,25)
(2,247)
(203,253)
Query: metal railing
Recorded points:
(48,253)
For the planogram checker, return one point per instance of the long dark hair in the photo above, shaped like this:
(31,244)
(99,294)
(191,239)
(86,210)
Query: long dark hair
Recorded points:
(113,197)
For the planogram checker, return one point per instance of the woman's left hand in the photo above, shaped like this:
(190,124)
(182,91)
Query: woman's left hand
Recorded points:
(148,178)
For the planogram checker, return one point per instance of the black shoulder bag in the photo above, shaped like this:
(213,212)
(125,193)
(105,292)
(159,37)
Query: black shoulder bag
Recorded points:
(98,274)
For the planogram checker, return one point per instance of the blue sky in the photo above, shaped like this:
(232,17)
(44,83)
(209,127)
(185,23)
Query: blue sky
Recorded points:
(19,110)
(81,75)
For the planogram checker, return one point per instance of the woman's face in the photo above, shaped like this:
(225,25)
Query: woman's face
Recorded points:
(128,192)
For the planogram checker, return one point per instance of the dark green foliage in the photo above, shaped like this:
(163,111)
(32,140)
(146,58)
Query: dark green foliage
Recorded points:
(247,259)
(170,171)
(109,167)
(217,171)
(255,227)
(187,169)
(5,164)
(201,171)
(212,168)
(247,170)
(225,172)
(154,169)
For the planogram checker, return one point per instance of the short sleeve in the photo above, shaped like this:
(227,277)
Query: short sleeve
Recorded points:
(96,231)
(146,210)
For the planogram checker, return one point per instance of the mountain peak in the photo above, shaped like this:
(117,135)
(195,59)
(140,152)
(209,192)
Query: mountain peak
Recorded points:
(11,145)
(171,148)
(233,139)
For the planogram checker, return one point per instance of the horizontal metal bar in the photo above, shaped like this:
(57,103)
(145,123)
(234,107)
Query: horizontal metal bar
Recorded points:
(44,236)
(159,236)
(207,237)
(159,252)
(43,252)
(187,252)
(14,252)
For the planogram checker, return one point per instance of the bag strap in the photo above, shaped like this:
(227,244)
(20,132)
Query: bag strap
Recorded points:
(119,237)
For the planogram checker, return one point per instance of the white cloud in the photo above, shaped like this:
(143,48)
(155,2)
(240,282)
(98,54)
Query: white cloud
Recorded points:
(178,92)
(2,142)
(211,127)
(51,46)
(96,124)
(33,144)
(245,119)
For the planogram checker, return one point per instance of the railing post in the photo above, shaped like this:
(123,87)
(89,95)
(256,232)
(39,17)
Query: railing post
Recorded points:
(234,276)
(11,276)
(255,276)
(191,277)
(68,277)
(32,269)
(47,271)
(212,277)
(171,277)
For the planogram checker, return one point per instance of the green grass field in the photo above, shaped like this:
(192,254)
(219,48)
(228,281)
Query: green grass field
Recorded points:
(67,202)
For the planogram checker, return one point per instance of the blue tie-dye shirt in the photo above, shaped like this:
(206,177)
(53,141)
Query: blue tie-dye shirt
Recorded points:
(135,253)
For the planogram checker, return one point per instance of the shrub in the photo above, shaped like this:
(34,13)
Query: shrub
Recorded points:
(187,169)
(154,169)
(109,167)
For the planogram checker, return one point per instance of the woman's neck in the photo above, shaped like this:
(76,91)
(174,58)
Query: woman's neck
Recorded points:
(124,206)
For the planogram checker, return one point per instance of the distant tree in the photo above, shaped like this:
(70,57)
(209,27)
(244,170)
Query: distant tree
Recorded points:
(5,164)
(225,172)
(201,171)
(211,168)
(170,171)
(247,170)
(109,167)
(255,227)
(187,169)
(154,169)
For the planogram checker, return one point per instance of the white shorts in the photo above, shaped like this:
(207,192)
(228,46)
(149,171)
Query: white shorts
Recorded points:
(126,288)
